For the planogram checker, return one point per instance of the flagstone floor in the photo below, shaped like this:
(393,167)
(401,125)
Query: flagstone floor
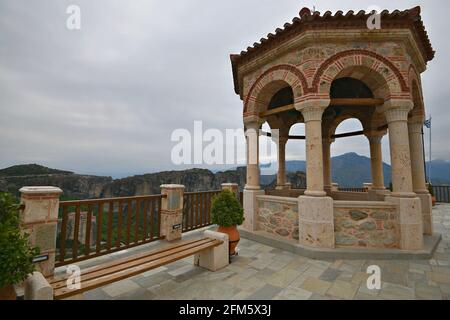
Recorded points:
(262,272)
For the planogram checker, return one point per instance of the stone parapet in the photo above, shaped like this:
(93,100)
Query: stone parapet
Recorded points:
(39,219)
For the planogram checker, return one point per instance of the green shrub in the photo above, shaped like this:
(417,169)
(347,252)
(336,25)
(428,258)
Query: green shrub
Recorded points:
(226,210)
(16,257)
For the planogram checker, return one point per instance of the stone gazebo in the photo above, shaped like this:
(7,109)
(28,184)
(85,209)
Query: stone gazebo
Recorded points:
(321,70)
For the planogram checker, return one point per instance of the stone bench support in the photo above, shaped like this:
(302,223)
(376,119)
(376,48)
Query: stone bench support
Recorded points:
(38,288)
(215,258)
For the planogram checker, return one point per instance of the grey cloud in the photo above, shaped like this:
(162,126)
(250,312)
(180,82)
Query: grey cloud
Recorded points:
(106,99)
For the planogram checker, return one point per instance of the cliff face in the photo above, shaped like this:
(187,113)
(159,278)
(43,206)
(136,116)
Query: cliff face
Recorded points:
(83,187)
(74,186)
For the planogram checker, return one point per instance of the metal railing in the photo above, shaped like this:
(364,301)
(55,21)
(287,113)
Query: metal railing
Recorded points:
(352,189)
(442,193)
(92,228)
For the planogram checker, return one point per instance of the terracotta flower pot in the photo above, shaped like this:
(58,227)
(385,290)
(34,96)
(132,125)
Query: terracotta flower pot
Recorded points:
(233,235)
(8,293)
(433,200)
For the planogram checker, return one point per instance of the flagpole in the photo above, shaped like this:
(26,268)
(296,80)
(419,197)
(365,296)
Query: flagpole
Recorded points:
(427,178)
(429,168)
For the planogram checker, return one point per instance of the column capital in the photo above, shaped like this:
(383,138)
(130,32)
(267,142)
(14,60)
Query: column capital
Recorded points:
(254,124)
(397,110)
(312,109)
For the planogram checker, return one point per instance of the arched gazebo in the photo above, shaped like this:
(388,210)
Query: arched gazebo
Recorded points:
(321,70)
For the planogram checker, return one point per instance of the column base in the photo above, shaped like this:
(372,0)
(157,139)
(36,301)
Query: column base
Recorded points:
(315,193)
(282,187)
(251,208)
(409,221)
(427,212)
(316,221)
(403,194)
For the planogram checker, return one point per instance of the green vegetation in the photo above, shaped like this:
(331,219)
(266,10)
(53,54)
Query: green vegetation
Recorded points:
(430,189)
(30,169)
(226,211)
(16,256)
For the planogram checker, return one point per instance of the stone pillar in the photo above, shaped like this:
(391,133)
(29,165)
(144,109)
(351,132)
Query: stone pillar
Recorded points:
(233,187)
(172,211)
(312,113)
(397,117)
(281,175)
(252,188)
(327,180)
(409,206)
(40,220)
(418,173)
(316,219)
(376,160)
(253,172)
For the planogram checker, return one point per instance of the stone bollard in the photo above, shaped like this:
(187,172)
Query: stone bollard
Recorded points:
(233,187)
(172,211)
(40,219)
(367,186)
(38,288)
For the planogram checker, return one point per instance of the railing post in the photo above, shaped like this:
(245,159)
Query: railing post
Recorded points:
(172,211)
(40,219)
(233,187)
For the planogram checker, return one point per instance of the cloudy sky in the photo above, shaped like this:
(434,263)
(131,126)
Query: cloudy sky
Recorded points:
(105,99)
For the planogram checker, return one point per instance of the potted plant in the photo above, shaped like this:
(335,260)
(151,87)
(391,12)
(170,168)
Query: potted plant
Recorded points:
(431,191)
(16,256)
(227,213)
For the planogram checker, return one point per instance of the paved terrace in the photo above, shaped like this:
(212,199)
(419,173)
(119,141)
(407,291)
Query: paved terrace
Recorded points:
(263,272)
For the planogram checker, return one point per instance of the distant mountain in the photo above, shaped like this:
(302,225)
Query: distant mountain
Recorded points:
(352,170)
(30,169)
(77,186)
(440,171)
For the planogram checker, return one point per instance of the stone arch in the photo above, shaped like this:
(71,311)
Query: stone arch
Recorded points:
(269,83)
(329,129)
(416,93)
(380,74)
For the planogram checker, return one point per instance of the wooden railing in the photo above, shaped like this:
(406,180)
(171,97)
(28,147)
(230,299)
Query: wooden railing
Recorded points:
(91,228)
(197,209)
(352,189)
(442,193)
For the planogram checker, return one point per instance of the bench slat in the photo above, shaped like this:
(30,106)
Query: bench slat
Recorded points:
(116,262)
(133,271)
(103,270)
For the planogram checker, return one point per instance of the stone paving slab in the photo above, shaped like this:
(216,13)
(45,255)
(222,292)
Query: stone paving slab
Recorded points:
(263,272)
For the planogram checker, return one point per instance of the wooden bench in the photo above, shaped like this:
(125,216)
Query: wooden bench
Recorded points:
(211,252)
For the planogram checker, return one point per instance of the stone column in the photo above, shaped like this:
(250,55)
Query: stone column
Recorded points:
(418,172)
(327,180)
(281,175)
(253,172)
(172,211)
(316,219)
(252,188)
(312,114)
(376,160)
(397,117)
(40,220)
(409,206)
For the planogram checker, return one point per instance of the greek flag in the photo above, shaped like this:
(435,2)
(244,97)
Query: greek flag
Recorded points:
(427,123)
